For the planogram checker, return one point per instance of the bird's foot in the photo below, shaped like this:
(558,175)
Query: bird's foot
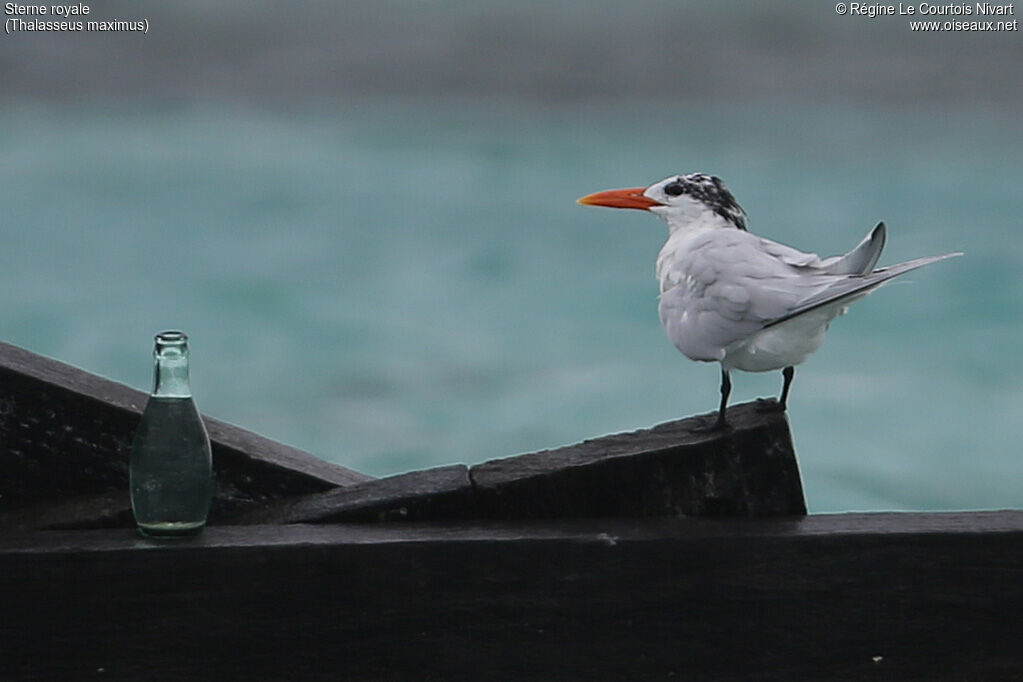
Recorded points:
(769,405)
(711,424)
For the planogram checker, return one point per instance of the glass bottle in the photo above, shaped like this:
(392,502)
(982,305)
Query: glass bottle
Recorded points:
(171,465)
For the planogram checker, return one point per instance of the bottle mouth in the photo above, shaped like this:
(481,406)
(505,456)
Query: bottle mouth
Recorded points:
(171,338)
(171,344)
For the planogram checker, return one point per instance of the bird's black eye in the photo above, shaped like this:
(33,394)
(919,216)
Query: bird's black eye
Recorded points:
(674,189)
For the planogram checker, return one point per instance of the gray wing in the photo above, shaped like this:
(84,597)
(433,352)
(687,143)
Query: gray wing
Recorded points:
(730,284)
(859,261)
(847,289)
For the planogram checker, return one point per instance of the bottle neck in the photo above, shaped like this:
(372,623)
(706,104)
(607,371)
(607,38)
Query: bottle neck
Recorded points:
(171,371)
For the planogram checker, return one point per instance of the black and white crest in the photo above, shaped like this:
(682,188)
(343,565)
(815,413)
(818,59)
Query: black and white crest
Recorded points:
(709,190)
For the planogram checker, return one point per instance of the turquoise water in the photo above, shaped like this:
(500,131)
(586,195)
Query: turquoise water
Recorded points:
(395,284)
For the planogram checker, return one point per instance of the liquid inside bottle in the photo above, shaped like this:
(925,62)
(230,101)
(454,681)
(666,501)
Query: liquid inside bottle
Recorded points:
(171,463)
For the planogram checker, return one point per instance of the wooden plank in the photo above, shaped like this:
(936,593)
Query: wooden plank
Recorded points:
(672,469)
(66,434)
(845,597)
(110,509)
(430,494)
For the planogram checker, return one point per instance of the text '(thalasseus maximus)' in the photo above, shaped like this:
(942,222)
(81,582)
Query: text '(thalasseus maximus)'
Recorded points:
(732,297)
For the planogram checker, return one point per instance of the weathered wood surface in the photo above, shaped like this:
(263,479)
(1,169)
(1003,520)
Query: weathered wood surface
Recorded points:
(110,509)
(65,435)
(841,598)
(672,469)
(431,494)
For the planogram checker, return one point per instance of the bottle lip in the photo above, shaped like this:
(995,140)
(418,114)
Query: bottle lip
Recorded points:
(168,338)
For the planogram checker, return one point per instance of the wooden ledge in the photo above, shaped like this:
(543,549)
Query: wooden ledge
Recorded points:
(839,597)
(673,469)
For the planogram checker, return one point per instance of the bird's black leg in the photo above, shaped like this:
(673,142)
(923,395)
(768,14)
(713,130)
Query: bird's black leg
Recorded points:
(726,389)
(787,373)
(768,405)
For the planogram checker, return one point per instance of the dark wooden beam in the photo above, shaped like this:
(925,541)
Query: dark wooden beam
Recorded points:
(430,494)
(840,598)
(673,469)
(65,435)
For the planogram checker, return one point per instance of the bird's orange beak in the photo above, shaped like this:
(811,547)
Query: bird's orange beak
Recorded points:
(620,198)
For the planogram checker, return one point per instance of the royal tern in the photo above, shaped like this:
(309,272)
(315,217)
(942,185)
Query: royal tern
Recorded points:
(732,297)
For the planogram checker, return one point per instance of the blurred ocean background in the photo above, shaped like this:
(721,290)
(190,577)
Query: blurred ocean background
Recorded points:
(364,217)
